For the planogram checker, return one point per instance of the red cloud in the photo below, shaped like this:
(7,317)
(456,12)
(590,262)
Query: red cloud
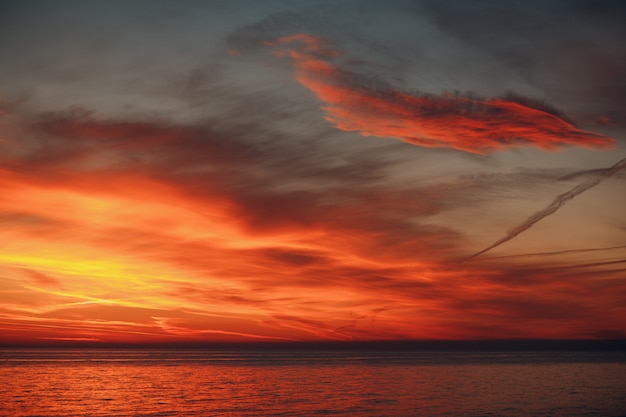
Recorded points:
(150,231)
(436,121)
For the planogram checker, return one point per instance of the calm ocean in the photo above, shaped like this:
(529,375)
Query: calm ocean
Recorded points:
(124,382)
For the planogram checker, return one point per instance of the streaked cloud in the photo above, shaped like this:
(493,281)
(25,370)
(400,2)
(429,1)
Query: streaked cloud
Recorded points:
(183,185)
(459,121)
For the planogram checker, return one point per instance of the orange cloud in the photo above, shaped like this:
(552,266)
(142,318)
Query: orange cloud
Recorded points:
(150,231)
(437,121)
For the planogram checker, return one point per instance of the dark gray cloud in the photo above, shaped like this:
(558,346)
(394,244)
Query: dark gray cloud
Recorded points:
(569,50)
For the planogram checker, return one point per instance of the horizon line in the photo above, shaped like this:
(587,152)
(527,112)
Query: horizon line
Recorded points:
(412,344)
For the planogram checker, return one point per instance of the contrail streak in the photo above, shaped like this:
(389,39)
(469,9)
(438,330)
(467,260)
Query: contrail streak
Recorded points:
(561,252)
(556,204)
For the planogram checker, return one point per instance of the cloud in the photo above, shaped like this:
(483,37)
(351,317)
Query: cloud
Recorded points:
(40,278)
(570,51)
(148,218)
(252,221)
(155,230)
(465,122)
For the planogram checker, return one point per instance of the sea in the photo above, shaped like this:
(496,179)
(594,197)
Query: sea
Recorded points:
(196,382)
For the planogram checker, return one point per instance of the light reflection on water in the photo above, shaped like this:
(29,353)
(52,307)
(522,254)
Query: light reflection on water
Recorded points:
(200,383)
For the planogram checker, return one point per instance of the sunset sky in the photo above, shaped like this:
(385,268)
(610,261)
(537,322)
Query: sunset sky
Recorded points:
(312,170)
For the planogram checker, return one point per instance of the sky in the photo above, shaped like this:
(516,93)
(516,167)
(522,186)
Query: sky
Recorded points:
(245,171)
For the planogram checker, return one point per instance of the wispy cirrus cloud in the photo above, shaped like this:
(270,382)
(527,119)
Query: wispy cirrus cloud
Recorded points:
(194,191)
(149,230)
(150,218)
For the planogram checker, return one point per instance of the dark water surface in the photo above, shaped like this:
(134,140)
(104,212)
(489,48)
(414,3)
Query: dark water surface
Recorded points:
(125,382)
